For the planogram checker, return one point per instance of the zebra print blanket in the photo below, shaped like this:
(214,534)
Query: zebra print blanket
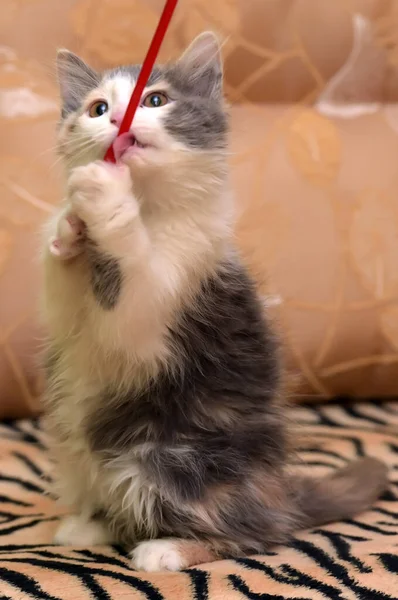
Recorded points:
(352,559)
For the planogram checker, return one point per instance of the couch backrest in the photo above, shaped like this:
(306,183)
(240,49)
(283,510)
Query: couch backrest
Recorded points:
(275,50)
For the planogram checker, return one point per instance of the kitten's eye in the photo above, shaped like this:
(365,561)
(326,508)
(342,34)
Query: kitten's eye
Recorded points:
(98,108)
(155,99)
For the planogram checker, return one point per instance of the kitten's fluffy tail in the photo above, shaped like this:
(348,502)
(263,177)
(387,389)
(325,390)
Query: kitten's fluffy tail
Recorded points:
(343,494)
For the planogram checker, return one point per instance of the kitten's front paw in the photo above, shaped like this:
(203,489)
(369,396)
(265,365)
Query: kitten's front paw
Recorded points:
(69,239)
(101,194)
(76,531)
(157,555)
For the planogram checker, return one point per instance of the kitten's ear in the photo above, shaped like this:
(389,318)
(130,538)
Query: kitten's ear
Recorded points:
(75,78)
(202,64)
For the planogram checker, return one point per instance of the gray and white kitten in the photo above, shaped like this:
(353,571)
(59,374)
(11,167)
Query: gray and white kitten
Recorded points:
(164,381)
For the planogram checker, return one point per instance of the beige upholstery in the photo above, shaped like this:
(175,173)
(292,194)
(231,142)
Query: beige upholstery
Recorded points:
(315,177)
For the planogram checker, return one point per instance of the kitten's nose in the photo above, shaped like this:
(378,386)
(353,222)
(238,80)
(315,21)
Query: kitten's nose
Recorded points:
(117,118)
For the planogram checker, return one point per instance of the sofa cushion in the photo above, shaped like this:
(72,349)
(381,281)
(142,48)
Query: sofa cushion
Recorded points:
(276,50)
(351,559)
(316,195)
(317,225)
(29,184)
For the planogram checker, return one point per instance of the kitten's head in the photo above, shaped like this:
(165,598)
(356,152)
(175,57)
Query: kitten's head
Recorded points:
(181,122)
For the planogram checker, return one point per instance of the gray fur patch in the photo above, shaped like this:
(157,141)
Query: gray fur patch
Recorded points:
(211,423)
(198,123)
(106,277)
(198,117)
(76,80)
(205,83)
(133,71)
(228,373)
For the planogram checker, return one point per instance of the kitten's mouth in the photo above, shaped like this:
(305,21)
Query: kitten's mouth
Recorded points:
(127,142)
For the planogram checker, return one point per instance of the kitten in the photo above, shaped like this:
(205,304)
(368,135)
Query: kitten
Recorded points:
(164,379)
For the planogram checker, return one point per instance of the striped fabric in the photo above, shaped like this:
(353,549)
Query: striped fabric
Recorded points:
(347,560)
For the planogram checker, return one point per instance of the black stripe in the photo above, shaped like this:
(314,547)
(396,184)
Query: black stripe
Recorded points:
(95,587)
(24,436)
(102,558)
(14,528)
(10,517)
(389,561)
(199,584)
(14,501)
(54,555)
(388,496)
(354,412)
(26,584)
(343,550)
(21,547)
(31,465)
(356,442)
(367,527)
(345,536)
(324,419)
(27,485)
(145,587)
(291,577)
(242,587)
(384,511)
(339,572)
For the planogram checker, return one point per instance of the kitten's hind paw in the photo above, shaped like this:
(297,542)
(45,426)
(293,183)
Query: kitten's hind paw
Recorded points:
(69,240)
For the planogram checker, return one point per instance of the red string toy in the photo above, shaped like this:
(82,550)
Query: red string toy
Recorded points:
(145,72)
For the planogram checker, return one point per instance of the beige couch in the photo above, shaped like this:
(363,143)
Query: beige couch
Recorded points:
(313,86)
(315,180)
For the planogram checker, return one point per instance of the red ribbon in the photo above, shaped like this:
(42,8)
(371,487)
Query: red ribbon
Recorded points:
(145,72)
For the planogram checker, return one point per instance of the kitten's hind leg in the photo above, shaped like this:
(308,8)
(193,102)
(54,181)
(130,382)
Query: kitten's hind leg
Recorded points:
(75,530)
(69,238)
(170,554)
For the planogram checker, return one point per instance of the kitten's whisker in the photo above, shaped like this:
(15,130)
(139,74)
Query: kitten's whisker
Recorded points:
(48,150)
(86,144)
